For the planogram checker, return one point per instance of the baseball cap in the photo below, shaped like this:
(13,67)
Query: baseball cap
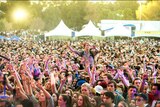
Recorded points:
(98,89)
(80,82)
(144,96)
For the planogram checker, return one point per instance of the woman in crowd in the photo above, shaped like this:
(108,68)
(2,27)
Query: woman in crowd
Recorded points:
(64,101)
(122,104)
(30,74)
(83,101)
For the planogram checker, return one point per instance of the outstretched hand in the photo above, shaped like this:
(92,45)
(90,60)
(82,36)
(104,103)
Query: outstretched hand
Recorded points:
(120,72)
(87,63)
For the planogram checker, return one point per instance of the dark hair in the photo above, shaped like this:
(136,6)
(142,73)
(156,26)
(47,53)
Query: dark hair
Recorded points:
(105,104)
(115,84)
(86,102)
(110,95)
(98,100)
(157,85)
(27,103)
(157,102)
(7,103)
(56,102)
(108,76)
(132,86)
(137,78)
(67,99)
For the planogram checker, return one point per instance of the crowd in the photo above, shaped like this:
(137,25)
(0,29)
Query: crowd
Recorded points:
(115,73)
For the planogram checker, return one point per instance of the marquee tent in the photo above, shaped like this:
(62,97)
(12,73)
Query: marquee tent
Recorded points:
(89,30)
(2,37)
(15,38)
(60,30)
(118,30)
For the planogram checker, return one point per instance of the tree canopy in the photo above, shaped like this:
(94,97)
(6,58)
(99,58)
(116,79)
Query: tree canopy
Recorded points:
(45,15)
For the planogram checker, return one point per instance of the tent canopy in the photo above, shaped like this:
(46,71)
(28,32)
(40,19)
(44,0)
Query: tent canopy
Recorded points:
(2,37)
(16,38)
(119,30)
(60,30)
(89,30)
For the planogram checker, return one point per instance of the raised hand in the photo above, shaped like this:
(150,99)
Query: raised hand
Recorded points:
(120,72)
(145,76)
(39,84)
(23,77)
(87,63)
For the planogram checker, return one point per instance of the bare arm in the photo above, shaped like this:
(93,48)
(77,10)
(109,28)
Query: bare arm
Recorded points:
(61,85)
(53,86)
(122,77)
(46,93)
(73,50)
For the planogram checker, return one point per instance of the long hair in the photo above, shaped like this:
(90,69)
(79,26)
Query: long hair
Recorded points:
(67,99)
(56,102)
(86,102)
(98,100)
(124,103)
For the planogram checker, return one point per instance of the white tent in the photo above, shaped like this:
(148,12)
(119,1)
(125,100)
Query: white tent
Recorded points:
(118,30)
(89,30)
(60,30)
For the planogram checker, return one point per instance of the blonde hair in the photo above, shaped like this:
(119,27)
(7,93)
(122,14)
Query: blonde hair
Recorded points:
(86,85)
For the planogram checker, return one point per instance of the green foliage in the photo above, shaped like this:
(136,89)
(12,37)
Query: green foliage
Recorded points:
(37,23)
(2,26)
(45,15)
(74,14)
(149,11)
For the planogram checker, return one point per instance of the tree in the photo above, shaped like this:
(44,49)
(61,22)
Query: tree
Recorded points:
(37,23)
(51,15)
(2,26)
(125,9)
(149,11)
(5,26)
(73,14)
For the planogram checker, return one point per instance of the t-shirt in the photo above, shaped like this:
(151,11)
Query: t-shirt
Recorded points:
(50,102)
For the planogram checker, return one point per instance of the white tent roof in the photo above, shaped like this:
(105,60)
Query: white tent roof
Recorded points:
(89,30)
(60,30)
(119,30)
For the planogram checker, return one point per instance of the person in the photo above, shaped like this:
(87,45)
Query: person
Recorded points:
(96,101)
(154,95)
(132,90)
(45,96)
(69,92)
(137,82)
(109,98)
(64,101)
(157,103)
(5,103)
(122,104)
(55,98)
(98,89)
(87,54)
(75,99)
(141,100)
(86,89)
(104,105)
(83,101)
(107,78)
(112,88)
(25,103)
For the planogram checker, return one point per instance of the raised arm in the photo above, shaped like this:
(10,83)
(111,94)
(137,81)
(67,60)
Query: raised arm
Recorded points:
(73,50)
(122,77)
(53,85)
(46,93)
